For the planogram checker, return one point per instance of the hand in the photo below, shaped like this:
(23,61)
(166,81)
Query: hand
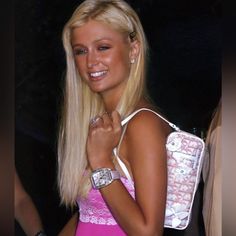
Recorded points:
(103,136)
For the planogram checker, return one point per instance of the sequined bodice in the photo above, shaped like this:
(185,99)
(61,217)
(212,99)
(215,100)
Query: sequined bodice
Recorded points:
(93,208)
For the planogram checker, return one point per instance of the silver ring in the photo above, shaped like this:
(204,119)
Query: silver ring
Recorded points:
(94,120)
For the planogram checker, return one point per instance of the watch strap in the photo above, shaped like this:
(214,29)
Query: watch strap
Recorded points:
(115,174)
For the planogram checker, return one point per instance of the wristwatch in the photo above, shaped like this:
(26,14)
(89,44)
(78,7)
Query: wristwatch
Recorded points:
(103,177)
(40,233)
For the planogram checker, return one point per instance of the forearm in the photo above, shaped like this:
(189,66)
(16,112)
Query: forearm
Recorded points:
(132,216)
(122,206)
(70,227)
(27,216)
(127,212)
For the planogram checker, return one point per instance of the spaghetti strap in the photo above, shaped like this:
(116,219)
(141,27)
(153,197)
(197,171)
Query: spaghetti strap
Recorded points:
(122,166)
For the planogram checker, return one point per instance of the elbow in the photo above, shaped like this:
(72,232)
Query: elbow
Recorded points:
(147,231)
(21,203)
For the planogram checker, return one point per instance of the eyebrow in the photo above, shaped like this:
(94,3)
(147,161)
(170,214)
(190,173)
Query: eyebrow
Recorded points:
(77,45)
(96,41)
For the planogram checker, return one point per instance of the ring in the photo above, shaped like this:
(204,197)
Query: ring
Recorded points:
(94,120)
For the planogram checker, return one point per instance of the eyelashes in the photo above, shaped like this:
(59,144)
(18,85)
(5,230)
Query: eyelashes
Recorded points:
(83,51)
(79,51)
(104,48)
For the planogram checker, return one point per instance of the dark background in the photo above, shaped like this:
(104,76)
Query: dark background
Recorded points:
(184,80)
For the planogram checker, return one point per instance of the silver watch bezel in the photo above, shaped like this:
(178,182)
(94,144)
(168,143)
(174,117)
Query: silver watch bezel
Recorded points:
(108,177)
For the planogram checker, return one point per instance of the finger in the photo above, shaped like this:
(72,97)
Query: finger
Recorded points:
(106,119)
(93,120)
(116,119)
(96,121)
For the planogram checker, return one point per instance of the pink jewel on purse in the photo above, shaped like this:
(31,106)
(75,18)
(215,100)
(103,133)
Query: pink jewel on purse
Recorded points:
(185,152)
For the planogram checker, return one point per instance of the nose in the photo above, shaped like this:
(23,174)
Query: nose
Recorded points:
(92,59)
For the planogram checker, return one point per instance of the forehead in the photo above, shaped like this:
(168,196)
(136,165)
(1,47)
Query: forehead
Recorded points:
(95,30)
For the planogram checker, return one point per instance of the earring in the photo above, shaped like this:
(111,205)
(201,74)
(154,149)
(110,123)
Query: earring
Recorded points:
(132,61)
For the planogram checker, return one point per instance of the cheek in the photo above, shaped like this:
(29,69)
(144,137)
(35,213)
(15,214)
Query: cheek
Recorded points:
(122,63)
(80,67)
(78,63)
(120,59)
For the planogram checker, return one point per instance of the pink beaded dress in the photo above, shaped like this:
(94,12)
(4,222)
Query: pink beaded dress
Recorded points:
(95,217)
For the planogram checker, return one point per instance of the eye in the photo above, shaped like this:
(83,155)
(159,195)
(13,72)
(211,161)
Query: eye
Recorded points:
(79,51)
(103,48)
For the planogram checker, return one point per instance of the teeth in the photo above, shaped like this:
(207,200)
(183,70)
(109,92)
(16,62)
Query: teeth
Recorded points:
(96,74)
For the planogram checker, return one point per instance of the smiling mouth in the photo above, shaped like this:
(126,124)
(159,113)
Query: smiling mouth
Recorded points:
(98,74)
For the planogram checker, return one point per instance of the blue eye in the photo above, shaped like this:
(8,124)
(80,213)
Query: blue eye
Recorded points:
(103,48)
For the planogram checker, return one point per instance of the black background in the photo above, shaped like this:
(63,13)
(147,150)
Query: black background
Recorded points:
(184,80)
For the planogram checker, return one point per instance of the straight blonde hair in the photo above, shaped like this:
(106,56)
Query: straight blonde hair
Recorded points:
(81,104)
(215,122)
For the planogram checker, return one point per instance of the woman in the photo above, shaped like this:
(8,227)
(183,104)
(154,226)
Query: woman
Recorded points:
(116,174)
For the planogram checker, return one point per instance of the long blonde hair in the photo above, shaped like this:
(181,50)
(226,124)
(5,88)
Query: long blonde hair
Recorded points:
(81,104)
(215,122)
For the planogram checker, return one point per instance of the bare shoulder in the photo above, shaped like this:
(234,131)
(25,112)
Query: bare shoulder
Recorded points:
(145,143)
(147,123)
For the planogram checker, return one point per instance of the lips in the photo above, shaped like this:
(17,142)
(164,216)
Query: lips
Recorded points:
(97,75)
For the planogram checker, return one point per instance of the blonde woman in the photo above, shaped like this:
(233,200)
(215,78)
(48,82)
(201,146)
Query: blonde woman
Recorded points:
(115,172)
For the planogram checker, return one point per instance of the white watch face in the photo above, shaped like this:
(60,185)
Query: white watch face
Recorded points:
(101,178)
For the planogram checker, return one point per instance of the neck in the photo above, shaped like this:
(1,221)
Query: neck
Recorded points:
(110,102)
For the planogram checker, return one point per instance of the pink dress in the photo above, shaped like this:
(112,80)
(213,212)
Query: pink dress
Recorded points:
(95,218)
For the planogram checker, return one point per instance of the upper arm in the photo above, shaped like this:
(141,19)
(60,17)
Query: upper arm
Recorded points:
(146,139)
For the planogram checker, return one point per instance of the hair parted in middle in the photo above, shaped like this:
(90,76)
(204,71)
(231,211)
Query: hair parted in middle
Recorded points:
(81,104)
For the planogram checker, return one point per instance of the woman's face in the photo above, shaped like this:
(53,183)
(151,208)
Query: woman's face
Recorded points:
(102,56)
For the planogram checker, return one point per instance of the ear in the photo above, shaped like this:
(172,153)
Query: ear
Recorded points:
(134,50)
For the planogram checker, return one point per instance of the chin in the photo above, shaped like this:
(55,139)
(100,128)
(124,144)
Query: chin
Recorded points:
(97,89)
